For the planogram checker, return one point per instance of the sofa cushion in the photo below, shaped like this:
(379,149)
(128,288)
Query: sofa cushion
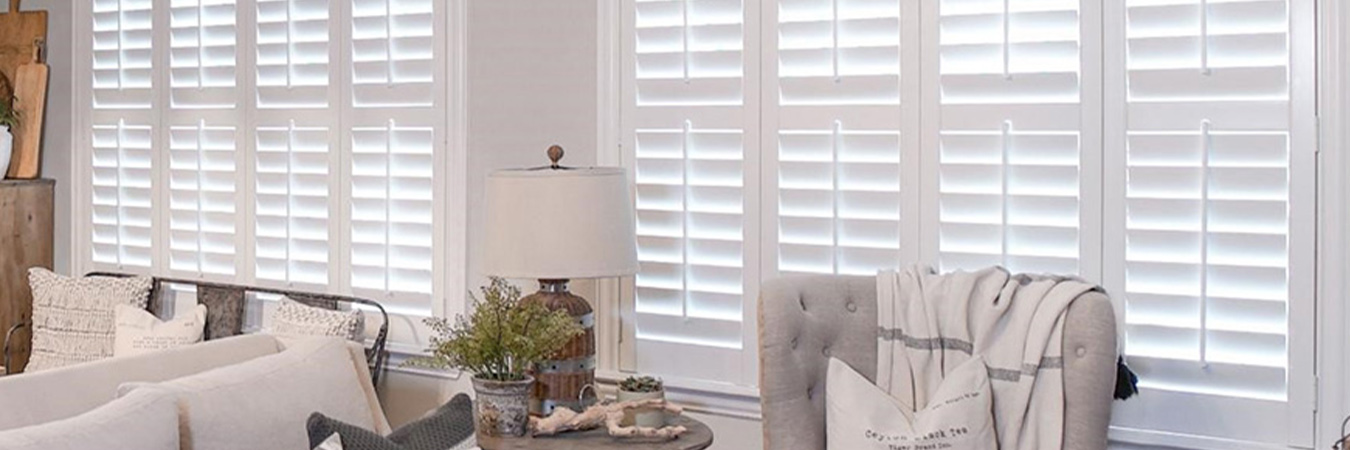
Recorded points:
(73,317)
(144,420)
(26,399)
(263,404)
(448,427)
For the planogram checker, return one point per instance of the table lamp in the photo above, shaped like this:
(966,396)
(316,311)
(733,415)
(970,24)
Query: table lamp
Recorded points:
(555,224)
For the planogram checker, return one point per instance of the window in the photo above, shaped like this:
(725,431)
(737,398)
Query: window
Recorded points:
(1158,147)
(297,143)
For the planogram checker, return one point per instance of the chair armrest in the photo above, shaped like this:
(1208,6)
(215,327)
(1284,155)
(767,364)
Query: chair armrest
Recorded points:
(9,339)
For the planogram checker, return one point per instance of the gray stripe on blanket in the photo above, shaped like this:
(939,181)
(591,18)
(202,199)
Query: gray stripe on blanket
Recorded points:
(890,334)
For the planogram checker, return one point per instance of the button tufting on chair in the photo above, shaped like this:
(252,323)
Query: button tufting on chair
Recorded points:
(1081,351)
(851,307)
(826,351)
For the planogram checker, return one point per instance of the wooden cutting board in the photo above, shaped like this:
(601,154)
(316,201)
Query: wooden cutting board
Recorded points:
(18,30)
(30,99)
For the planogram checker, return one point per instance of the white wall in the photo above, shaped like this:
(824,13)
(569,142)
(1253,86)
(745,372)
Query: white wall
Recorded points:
(56,133)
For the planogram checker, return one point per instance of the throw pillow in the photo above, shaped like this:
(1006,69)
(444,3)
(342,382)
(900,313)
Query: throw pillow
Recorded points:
(73,317)
(449,427)
(861,416)
(295,319)
(139,332)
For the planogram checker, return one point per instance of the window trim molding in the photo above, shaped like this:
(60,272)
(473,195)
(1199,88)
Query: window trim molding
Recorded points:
(405,329)
(1333,352)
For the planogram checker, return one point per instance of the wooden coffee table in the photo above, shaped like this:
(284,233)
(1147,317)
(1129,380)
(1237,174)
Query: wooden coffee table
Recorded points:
(698,437)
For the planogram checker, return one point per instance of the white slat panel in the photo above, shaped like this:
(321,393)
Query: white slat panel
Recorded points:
(122,138)
(1209,170)
(834,111)
(685,123)
(202,196)
(202,54)
(122,210)
(291,211)
(293,46)
(391,211)
(1010,145)
(391,143)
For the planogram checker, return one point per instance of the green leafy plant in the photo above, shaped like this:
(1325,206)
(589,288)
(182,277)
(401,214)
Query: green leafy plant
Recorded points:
(9,117)
(501,339)
(641,384)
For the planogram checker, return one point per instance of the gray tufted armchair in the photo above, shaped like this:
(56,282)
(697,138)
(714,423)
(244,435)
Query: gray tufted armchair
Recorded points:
(803,321)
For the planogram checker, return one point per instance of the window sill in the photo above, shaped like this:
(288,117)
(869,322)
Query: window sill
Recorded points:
(704,397)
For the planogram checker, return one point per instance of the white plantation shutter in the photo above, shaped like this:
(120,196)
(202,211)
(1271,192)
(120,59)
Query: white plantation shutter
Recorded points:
(121,138)
(391,174)
(1216,226)
(202,176)
(293,54)
(392,146)
(202,196)
(688,111)
(835,135)
(292,205)
(294,143)
(1011,134)
(296,153)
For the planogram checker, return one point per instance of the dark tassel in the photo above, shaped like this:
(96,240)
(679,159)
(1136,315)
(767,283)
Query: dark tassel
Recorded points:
(1127,383)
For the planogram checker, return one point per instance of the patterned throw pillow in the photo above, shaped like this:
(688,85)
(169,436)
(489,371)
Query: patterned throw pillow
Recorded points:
(73,317)
(450,427)
(295,319)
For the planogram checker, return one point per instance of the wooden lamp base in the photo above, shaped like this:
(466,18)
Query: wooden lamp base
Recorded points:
(567,380)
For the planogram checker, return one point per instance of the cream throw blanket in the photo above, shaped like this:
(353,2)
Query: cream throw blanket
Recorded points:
(930,323)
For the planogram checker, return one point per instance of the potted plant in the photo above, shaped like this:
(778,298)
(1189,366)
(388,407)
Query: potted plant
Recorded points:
(499,342)
(642,388)
(9,120)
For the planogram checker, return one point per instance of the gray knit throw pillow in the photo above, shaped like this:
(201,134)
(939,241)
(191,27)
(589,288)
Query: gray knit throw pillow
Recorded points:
(449,426)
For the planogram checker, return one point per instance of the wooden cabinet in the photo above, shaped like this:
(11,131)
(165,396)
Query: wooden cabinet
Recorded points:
(25,241)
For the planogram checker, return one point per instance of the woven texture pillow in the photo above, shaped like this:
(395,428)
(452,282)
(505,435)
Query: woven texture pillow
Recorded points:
(73,318)
(449,427)
(295,319)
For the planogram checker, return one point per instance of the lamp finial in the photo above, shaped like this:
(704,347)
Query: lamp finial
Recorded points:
(555,154)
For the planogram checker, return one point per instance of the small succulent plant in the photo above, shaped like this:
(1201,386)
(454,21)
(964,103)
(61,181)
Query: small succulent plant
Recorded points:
(9,117)
(641,384)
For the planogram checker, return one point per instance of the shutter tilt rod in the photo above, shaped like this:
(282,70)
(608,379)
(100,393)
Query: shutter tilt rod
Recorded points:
(684,36)
(1007,39)
(835,144)
(1204,38)
(1208,144)
(834,37)
(1003,228)
(684,217)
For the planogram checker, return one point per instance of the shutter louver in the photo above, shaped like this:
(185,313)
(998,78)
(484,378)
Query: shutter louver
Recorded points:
(202,199)
(293,54)
(392,53)
(1010,129)
(689,149)
(838,135)
(391,176)
(292,205)
(201,161)
(122,139)
(393,141)
(202,55)
(1208,216)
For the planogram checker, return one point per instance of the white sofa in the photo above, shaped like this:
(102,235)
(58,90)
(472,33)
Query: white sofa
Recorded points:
(246,392)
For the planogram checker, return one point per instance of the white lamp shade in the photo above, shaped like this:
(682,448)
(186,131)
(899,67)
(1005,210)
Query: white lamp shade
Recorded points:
(560,224)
